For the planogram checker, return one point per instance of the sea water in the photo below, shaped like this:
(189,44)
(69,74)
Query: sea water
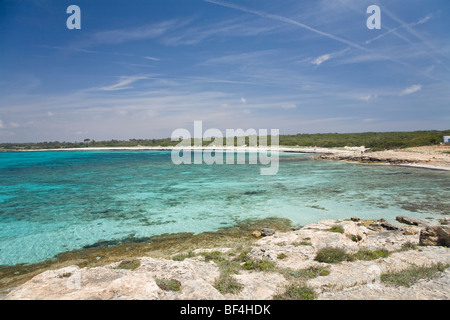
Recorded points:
(52,202)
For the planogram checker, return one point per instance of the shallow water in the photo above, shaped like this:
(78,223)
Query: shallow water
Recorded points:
(52,202)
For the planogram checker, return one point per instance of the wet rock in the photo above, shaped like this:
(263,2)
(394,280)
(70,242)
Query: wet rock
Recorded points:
(267,232)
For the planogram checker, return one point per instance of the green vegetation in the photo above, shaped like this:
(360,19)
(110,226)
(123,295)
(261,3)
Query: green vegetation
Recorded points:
(337,229)
(129,264)
(304,242)
(356,238)
(374,140)
(408,246)
(182,256)
(410,276)
(364,254)
(168,284)
(259,265)
(336,255)
(215,256)
(305,274)
(227,284)
(296,292)
(333,255)
(281,256)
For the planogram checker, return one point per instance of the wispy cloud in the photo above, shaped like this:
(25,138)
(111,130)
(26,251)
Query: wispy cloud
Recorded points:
(123,83)
(319,60)
(123,35)
(218,30)
(410,90)
(152,58)
(394,30)
(288,21)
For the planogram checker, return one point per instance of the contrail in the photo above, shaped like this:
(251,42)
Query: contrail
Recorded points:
(304,26)
(288,20)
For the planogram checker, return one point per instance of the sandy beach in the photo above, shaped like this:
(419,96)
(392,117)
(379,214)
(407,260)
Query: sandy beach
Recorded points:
(429,157)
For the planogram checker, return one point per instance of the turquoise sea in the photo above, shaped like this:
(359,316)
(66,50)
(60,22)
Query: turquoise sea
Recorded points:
(52,202)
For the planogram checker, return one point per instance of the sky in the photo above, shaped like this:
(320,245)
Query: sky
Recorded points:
(140,69)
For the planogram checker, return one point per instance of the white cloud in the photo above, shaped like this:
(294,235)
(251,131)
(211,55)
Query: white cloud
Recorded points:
(152,58)
(410,90)
(1,124)
(122,84)
(319,60)
(369,97)
(243,100)
(50,114)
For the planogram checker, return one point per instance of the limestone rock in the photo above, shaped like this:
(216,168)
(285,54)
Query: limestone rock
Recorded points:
(412,221)
(346,280)
(435,236)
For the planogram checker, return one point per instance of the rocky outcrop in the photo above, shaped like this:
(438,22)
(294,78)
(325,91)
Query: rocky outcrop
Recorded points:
(412,221)
(435,236)
(295,251)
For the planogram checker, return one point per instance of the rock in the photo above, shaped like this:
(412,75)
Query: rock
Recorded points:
(435,236)
(267,232)
(357,279)
(356,219)
(410,231)
(382,224)
(412,221)
(256,234)
(297,228)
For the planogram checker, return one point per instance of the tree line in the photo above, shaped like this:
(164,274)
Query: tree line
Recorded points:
(373,140)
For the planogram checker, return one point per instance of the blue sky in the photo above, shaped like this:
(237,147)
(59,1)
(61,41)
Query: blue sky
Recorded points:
(141,69)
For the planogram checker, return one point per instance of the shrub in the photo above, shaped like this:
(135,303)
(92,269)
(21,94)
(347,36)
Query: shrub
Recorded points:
(410,276)
(168,285)
(306,274)
(281,256)
(364,254)
(182,256)
(296,292)
(129,264)
(215,256)
(333,255)
(260,265)
(337,229)
(227,284)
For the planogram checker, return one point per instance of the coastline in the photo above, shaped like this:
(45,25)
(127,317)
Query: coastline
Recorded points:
(265,264)
(427,157)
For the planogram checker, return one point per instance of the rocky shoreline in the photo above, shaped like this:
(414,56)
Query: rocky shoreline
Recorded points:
(436,157)
(344,259)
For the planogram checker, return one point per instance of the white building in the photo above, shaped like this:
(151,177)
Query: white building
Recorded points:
(446,139)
